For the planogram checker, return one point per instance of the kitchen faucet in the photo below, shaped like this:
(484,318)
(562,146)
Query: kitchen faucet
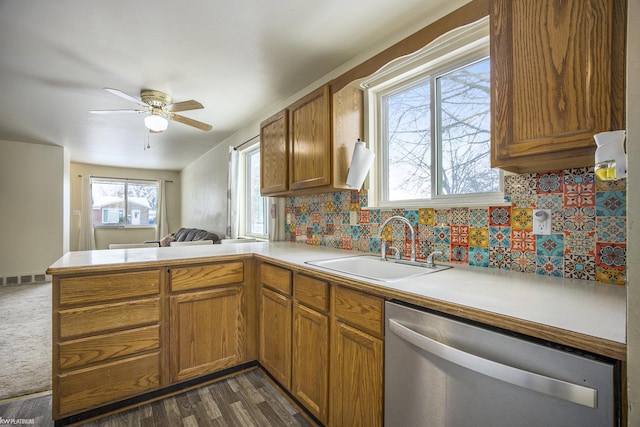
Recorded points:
(383,247)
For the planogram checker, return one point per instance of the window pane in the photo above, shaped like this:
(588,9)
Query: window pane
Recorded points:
(464,131)
(408,142)
(108,203)
(142,199)
(256,204)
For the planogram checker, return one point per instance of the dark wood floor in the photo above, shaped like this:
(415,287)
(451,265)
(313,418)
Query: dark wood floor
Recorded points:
(248,399)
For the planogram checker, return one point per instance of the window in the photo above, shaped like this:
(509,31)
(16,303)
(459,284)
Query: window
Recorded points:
(431,121)
(123,202)
(254,211)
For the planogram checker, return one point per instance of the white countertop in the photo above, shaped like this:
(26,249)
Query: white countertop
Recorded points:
(590,308)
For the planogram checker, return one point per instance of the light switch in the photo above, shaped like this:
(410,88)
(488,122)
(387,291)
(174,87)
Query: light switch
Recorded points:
(542,221)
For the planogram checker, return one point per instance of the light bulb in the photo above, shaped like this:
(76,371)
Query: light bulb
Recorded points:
(156,123)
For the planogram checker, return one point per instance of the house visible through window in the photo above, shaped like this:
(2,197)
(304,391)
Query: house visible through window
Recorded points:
(254,210)
(432,125)
(122,202)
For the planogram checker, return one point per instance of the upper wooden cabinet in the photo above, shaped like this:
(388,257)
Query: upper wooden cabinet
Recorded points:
(307,148)
(557,77)
(274,154)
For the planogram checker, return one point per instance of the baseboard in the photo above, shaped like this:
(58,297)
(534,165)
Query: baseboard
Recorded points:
(25,279)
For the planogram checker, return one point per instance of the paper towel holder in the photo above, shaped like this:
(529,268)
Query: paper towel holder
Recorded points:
(361,161)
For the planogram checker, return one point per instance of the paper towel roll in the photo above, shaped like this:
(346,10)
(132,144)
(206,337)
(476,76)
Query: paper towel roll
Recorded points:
(360,163)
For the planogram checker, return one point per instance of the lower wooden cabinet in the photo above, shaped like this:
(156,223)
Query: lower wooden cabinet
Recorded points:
(275,335)
(356,378)
(310,365)
(106,339)
(357,359)
(206,332)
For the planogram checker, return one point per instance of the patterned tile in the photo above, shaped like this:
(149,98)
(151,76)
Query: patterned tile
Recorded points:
(549,182)
(459,235)
(524,262)
(580,267)
(611,229)
(579,219)
(479,257)
(522,218)
(550,246)
(412,216)
(580,243)
(523,240)
(582,194)
(499,257)
(500,237)
(479,218)
(588,239)
(520,185)
(611,275)
(479,237)
(611,255)
(459,254)
(442,217)
(500,216)
(459,216)
(426,216)
(550,266)
(611,203)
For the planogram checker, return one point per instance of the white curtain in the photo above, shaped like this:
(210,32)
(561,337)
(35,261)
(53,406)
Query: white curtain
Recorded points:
(162,222)
(277,218)
(87,238)
(233,222)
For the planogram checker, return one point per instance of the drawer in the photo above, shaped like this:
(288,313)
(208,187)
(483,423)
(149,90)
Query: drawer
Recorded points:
(88,351)
(108,287)
(276,278)
(205,276)
(99,319)
(311,292)
(359,309)
(85,389)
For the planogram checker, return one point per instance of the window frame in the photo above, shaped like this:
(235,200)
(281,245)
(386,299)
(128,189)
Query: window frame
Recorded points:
(460,48)
(124,210)
(244,192)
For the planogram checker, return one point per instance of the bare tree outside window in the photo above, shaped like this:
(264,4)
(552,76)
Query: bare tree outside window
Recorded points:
(461,136)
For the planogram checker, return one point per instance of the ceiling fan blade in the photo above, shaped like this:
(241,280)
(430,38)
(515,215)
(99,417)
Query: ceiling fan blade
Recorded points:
(190,122)
(184,106)
(116,111)
(125,96)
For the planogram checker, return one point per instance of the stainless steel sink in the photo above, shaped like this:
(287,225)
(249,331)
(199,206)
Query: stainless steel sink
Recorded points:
(372,267)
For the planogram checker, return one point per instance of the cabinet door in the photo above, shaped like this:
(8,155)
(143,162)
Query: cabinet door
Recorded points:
(311,360)
(274,154)
(206,332)
(557,73)
(310,139)
(356,378)
(275,335)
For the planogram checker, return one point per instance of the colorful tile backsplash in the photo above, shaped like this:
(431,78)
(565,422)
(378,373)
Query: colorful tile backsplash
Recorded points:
(587,240)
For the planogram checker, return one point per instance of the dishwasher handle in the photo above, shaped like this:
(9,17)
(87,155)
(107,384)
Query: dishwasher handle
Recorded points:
(550,386)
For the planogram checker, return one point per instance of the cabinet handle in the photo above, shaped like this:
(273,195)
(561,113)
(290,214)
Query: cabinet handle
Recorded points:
(550,386)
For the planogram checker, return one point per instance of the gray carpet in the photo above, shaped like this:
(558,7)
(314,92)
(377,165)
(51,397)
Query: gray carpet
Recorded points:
(25,339)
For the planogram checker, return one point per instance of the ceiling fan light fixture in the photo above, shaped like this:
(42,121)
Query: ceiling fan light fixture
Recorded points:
(156,123)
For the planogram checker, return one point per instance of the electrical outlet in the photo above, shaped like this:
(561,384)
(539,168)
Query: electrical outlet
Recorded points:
(542,221)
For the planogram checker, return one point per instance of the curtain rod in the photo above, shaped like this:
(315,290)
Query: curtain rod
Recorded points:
(246,142)
(123,179)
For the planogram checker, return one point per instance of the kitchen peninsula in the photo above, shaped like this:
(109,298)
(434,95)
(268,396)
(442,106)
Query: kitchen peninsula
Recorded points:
(133,323)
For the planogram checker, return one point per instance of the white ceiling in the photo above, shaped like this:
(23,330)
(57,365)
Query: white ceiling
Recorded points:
(238,58)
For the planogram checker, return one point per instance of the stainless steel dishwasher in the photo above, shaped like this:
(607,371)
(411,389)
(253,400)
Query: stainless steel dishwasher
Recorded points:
(443,372)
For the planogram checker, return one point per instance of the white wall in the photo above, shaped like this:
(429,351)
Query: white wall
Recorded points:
(633,212)
(31,216)
(104,236)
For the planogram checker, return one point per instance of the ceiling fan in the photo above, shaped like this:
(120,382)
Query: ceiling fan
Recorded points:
(160,108)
